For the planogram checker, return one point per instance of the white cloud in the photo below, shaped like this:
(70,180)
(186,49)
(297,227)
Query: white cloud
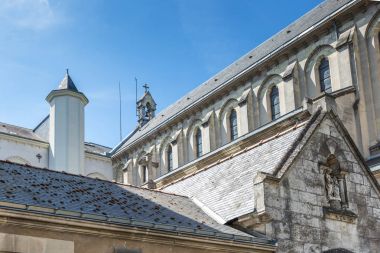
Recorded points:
(29,14)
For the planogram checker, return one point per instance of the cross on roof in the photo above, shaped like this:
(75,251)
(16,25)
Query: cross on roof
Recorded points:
(146,87)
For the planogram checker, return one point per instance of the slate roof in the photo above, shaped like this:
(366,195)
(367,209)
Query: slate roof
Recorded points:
(67,83)
(250,59)
(60,191)
(227,187)
(96,148)
(19,131)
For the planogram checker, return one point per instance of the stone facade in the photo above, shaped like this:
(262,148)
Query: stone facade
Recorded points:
(60,236)
(299,213)
(347,38)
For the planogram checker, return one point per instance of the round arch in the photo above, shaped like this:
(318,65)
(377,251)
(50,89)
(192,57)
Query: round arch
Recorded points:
(223,120)
(263,97)
(313,88)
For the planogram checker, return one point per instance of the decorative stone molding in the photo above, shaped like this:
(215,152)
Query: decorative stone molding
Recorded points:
(339,214)
(289,71)
(345,38)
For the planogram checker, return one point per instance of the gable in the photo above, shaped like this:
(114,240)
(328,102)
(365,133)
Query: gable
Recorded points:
(227,188)
(324,195)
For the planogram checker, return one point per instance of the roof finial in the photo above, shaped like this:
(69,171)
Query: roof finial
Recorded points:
(67,71)
(146,87)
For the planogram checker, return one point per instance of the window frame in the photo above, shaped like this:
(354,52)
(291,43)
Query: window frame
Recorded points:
(324,82)
(233,125)
(274,100)
(145,174)
(198,142)
(169,158)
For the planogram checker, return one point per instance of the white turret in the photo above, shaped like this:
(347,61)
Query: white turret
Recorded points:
(66,135)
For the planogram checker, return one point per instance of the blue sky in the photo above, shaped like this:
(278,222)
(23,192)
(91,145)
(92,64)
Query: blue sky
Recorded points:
(174,45)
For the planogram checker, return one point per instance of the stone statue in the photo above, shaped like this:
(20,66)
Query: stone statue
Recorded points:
(332,187)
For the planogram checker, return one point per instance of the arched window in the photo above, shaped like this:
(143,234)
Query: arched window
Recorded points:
(145,174)
(170,158)
(198,143)
(233,125)
(275,103)
(324,75)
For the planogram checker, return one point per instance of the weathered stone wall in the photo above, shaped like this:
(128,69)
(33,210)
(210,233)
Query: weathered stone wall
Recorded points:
(296,204)
(41,237)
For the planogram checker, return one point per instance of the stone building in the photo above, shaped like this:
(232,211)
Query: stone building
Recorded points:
(279,152)
(284,141)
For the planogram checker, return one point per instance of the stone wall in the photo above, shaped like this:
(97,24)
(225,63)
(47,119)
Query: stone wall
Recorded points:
(26,236)
(303,218)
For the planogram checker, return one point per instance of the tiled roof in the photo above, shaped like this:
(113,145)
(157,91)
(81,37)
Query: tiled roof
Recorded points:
(19,131)
(227,187)
(251,58)
(60,191)
(67,84)
(96,148)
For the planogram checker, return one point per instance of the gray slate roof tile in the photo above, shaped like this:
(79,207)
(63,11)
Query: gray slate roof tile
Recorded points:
(227,188)
(56,190)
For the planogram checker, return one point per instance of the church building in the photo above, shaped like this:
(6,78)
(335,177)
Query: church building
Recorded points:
(278,152)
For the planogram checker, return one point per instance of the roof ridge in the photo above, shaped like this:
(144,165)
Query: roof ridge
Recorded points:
(30,129)
(298,140)
(41,122)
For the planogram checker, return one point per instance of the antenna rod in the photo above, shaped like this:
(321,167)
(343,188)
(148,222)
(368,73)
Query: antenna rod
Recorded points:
(121,130)
(136,97)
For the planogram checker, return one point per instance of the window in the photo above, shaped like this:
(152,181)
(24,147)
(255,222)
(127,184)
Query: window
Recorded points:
(324,75)
(145,173)
(170,158)
(233,125)
(198,143)
(275,103)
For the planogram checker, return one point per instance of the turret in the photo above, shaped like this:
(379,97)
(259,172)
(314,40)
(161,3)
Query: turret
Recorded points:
(66,135)
(146,107)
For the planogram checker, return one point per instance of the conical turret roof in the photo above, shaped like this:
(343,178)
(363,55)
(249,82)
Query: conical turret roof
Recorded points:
(67,83)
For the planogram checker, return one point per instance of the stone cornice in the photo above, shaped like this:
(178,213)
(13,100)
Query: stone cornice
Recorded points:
(135,233)
(58,93)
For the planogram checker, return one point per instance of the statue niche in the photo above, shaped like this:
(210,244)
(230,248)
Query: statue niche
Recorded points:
(335,183)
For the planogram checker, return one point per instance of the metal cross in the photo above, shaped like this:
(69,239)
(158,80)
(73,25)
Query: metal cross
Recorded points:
(146,87)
